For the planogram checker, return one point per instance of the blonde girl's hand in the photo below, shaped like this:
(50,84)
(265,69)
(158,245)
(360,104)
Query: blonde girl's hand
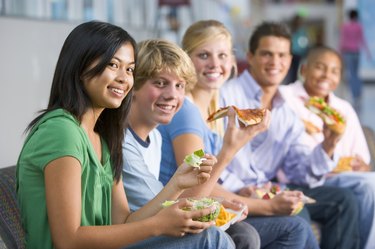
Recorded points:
(174,221)
(236,136)
(187,176)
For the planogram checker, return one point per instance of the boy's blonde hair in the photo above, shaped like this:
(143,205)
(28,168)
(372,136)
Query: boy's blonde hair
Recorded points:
(198,34)
(157,55)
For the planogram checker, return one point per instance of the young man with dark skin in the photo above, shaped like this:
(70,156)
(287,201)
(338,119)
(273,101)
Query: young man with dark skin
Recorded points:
(321,75)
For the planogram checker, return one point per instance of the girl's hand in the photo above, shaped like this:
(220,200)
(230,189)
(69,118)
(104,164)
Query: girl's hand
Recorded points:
(187,176)
(237,136)
(174,221)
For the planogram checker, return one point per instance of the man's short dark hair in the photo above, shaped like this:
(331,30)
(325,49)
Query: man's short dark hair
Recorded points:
(268,29)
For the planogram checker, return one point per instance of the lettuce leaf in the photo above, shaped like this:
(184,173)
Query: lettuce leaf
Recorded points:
(194,159)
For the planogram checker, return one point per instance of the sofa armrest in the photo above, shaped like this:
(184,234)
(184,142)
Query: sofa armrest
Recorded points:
(11,231)
(370,138)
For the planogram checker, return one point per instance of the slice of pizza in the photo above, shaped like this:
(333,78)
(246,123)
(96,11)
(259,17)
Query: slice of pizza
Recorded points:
(220,113)
(330,116)
(246,116)
(250,116)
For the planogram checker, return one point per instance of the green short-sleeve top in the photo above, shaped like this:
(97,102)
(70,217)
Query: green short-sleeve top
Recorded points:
(59,134)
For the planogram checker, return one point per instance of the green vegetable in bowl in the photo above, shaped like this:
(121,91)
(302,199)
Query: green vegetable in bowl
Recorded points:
(194,159)
(198,204)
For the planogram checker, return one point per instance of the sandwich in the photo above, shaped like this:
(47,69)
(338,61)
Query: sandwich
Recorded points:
(330,116)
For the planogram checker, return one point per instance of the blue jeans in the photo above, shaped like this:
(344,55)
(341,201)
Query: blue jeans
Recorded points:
(278,232)
(362,184)
(336,210)
(210,238)
(244,235)
(351,60)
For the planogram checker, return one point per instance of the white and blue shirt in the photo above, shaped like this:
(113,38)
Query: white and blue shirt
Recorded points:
(280,147)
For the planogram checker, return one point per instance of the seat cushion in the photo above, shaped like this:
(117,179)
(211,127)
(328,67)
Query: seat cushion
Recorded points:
(11,232)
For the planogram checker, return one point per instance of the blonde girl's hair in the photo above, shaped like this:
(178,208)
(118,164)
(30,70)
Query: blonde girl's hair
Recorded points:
(198,34)
(157,55)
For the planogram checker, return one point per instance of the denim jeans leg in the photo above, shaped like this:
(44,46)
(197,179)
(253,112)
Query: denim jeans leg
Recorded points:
(278,232)
(362,184)
(210,238)
(337,210)
(244,235)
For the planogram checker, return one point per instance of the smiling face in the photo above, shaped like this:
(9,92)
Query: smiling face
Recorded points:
(271,61)
(108,89)
(159,98)
(213,62)
(322,74)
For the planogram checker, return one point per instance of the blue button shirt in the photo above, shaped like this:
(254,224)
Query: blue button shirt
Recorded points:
(281,147)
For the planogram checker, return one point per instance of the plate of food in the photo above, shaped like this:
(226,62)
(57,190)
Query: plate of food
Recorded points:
(227,217)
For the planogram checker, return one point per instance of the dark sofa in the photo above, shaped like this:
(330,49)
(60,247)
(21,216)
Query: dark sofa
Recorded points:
(11,232)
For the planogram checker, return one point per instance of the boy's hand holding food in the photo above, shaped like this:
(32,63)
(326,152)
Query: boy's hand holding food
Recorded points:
(195,170)
(334,123)
(330,116)
(331,138)
(351,163)
(358,164)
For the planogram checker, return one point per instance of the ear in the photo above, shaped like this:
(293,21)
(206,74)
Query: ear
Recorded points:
(249,57)
(303,70)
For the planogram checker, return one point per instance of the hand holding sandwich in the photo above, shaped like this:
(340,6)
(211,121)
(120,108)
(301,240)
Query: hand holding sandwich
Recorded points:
(334,123)
(331,138)
(187,176)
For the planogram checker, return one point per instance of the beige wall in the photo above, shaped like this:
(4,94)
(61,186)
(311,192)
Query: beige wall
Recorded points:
(28,53)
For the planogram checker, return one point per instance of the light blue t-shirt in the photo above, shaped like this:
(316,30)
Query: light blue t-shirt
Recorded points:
(187,120)
(141,168)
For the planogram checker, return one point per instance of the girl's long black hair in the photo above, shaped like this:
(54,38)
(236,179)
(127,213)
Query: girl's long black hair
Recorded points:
(88,43)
